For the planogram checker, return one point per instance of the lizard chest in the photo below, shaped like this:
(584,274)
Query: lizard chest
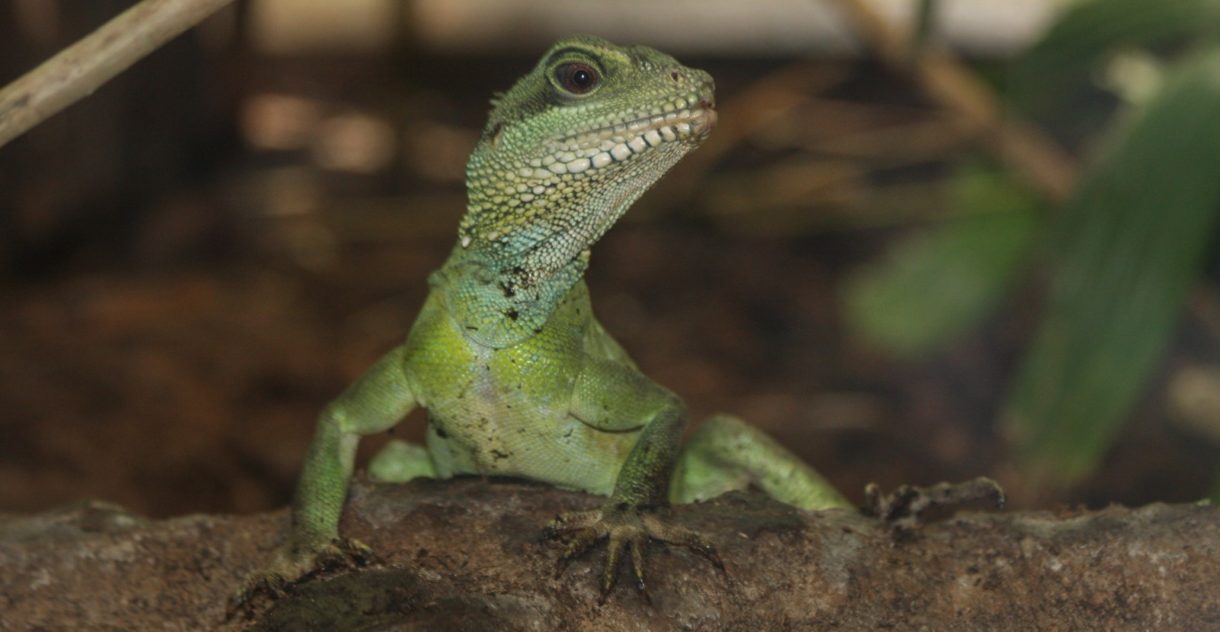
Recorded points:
(507,411)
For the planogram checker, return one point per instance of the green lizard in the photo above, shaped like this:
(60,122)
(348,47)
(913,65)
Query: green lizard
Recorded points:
(517,375)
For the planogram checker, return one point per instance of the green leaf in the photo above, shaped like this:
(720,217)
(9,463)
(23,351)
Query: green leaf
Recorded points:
(1128,249)
(1088,33)
(937,285)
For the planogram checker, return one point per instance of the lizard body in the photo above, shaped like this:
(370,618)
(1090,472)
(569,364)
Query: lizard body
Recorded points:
(516,373)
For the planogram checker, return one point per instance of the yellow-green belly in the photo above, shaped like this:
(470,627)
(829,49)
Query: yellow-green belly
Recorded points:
(506,411)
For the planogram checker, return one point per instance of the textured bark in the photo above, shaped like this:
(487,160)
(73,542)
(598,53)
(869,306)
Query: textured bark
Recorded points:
(466,555)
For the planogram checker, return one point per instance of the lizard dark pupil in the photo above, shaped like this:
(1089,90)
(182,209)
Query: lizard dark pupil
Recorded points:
(577,78)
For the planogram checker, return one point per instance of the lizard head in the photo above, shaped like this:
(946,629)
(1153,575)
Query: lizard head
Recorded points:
(573,144)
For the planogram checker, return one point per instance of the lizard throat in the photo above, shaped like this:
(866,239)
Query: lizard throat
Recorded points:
(504,200)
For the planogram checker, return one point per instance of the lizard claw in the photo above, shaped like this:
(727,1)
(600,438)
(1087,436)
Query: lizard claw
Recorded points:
(292,565)
(618,540)
(904,508)
(671,534)
(575,545)
(637,568)
(626,529)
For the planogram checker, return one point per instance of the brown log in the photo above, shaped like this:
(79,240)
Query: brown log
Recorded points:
(467,555)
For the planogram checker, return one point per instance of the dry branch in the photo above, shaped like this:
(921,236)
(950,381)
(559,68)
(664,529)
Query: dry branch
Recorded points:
(1025,147)
(466,555)
(84,66)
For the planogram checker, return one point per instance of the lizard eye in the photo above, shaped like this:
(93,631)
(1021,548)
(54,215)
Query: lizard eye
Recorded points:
(577,78)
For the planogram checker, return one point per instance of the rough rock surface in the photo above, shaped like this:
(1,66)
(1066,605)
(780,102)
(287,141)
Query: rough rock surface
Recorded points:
(467,555)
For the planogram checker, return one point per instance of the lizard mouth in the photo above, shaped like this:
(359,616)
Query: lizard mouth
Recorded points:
(682,123)
(707,121)
(598,148)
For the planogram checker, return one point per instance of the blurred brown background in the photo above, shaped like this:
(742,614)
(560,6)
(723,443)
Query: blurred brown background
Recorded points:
(196,258)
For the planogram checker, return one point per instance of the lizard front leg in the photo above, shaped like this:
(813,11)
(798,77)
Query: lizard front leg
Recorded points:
(727,454)
(374,403)
(615,397)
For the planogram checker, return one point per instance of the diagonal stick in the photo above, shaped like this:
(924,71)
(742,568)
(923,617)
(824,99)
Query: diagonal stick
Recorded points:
(93,60)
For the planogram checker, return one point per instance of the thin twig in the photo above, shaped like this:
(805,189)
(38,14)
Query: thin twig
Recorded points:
(1025,147)
(84,66)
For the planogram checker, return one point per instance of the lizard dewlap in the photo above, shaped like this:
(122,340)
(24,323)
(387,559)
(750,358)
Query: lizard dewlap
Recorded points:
(517,375)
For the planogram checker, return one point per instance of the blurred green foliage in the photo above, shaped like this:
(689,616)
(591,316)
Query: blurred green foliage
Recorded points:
(1127,249)
(1120,255)
(941,282)
(1088,35)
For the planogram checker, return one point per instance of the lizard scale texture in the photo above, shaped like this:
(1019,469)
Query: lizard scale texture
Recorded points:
(517,375)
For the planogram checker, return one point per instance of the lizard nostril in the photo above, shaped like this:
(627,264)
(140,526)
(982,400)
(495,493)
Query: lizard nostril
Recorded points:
(674,75)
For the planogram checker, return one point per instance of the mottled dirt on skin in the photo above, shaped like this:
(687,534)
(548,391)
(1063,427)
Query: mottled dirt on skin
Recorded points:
(468,555)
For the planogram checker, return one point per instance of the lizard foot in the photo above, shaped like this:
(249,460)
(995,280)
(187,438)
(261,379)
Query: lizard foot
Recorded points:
(625,528)
(904,507)
(292,565)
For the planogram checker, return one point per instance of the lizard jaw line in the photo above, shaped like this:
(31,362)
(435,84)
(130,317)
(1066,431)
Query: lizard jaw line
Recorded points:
(699,115)
(601,147)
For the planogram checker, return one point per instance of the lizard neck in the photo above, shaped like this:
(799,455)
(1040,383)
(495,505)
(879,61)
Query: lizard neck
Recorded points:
(490,300)
(524,281)
(532,227)
(525,242)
